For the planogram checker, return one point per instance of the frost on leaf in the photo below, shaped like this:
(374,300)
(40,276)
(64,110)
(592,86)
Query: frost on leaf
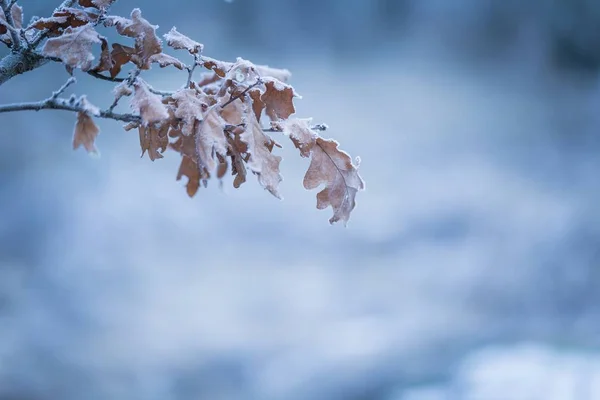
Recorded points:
(153,138)
(17,14)
(179,41)
(120,56)
(64,18)
(210,139)
(164,60)
(278,99)
(74,47)
(147,104)
(333,168)
(106,60)
(85,133)
(189,106)
(147,43)
(261,161)
(300,133)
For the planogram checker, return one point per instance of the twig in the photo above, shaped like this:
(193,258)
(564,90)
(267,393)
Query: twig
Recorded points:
(234,98)
(54,102)
(191,70)
(64,104)
(64,87)
(318,127)
(14,33)
(11,4)
(104,77)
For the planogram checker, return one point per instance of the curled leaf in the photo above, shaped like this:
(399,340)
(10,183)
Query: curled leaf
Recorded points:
(148,104)
(333,168)
(179,41)
(85,133)
(74,47)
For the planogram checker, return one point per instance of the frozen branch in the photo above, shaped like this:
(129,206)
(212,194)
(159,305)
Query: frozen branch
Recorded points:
(55,102)
(14,33)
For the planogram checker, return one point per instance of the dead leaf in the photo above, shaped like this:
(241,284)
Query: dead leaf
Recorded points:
(333,168)
(278,99)
(147,104)
(153,138)
(85,133)
(147,43)
(210,139)
(120,55)
(64,18)
(106,60)
(189,107)
(299,131)
(261,161)
(164,60)
(73,47)
(179,41)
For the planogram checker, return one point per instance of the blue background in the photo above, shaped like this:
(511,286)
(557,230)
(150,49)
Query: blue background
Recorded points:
(469,269)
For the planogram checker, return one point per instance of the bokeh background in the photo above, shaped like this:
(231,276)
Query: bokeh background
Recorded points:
(469,269)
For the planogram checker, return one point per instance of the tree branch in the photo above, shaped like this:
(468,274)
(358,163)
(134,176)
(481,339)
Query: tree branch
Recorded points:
(14,34)
(54,102)
(65,104)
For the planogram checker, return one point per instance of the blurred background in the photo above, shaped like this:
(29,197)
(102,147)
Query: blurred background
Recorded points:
(468,271)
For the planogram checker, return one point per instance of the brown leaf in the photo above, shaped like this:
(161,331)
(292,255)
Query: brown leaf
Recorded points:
(179,41)
(278,99)
(147,43)
(73,47)
(219,67)
(261,161)
(334,168)
(120,55)
(64,18)
(147,104)
(300,133)
(189,107)
(152,138)
(210,139)
(165,60)
(190,169)
(85,133)
(106,60)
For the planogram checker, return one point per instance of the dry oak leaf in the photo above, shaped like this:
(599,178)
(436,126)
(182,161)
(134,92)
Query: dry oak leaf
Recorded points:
(152,138)
(300,133)
(179,41)
(147,104)
(64,18)
(74,47)
(17,15)
(189,107)
(190,169)
(120,55)
(261,161)
(85,133)
(164,60)
(278,99)
(334,168)
(210,139)
(106,61)
(147,43)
